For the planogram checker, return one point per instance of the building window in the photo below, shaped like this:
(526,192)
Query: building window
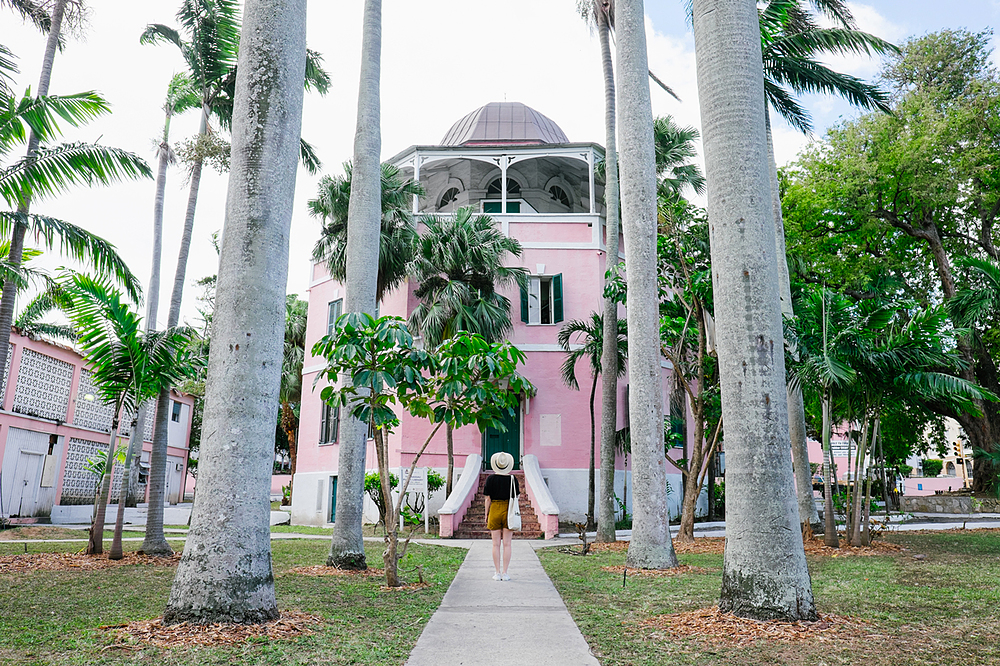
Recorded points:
(175,415)
(334,310)
(449,197)
(542,303)
(494,190)
(559,194)
(329,428)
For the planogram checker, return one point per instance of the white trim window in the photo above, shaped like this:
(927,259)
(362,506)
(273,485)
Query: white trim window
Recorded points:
(542,303)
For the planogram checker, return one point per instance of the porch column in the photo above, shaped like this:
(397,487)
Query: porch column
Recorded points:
(416,179)
(590,171)
(504,161)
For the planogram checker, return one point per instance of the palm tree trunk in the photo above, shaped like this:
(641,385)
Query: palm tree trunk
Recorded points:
(830,537)
(651,547)
(796,409)
(155,542)
(8,296)
(291,433)
(231,513)
(591,523)
(95,546)
(764,573)
(116,544)
(609,353)
(364,228)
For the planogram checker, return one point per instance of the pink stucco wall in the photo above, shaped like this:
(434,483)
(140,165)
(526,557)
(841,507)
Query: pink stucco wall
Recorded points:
(582,270)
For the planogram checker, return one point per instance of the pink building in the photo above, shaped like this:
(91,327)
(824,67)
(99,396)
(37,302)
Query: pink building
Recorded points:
(517,165)
(52,421)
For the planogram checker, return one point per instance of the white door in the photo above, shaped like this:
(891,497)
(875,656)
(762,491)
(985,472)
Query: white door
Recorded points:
(21,491)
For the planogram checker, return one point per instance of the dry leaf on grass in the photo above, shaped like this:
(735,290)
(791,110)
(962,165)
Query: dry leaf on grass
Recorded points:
(144,633)
(410,586)
(676,571)
(815,546)
(700,546)
(714,625)
(323,570)
(77,561)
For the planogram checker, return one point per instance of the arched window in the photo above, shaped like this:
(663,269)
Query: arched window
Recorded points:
(559,194)
(493,189)
(448,197)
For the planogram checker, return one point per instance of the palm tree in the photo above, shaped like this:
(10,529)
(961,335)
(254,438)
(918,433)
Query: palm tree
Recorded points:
(651,547)
(792,44)
(459,270)
(397,236)
(347,548)
(244,371)
(47,170)
(129,367)
(674,149)
(592,349)
(290,393)
(765,574)
(209,40)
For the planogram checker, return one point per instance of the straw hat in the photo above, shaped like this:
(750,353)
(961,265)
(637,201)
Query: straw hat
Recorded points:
(502,462)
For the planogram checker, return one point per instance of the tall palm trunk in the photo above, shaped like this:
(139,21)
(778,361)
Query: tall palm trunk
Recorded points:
(225,574)
(609,357)
(116,552)
(591,522)
(796,409)
(651,547)
(95,545)
(16,252)
(347,547)
(290,424)
(764,573)
(155,542)
(830,537)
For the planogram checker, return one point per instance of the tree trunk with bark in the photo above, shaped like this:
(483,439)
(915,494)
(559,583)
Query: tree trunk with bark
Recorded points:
(8,296)
(95,545)
(116,543)
(609,354)
(347,548)
(449,435)
(830,537)
(225,574)
(651,547)
(764,573)
(591,486)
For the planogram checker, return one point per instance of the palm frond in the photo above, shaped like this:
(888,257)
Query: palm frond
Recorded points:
(317,78)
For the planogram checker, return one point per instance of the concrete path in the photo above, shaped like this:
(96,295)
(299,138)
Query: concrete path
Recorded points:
(483,622)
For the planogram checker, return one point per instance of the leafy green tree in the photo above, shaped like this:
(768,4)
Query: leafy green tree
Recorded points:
(464,380)
(591,349)
(129,366)
(459,271)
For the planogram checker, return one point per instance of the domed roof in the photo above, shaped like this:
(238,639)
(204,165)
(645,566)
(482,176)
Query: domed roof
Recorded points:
(504,123)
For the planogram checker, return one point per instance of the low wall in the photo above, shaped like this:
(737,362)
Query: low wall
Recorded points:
(948,504)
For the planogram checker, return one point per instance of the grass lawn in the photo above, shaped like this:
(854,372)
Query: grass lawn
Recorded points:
(52,617)
(942,609)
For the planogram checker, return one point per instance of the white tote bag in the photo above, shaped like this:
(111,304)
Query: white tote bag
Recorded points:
(513,510)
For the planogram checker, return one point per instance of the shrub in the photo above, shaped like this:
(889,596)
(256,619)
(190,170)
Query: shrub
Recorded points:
(931,467)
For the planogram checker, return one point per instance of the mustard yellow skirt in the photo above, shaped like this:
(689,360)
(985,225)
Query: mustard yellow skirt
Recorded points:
(498,515)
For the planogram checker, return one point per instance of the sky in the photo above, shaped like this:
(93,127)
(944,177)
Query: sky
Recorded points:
(440,60)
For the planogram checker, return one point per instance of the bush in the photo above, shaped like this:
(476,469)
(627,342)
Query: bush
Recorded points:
(373,486)
(931,467)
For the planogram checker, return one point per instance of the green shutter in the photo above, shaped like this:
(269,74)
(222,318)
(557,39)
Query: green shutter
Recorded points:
(557,306)
(524,305)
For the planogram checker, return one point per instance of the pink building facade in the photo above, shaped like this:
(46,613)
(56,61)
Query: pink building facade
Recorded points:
(52,421)
(516,165)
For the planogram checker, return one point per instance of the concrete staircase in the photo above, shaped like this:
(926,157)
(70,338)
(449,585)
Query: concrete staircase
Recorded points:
(473,526)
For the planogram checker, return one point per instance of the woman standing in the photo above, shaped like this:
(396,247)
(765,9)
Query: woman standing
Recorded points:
(498,492)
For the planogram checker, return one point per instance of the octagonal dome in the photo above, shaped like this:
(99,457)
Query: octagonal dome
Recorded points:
(505,124)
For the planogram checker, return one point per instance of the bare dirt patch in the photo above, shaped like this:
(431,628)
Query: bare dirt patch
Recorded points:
(713,625)
(656,573)
(815,546)
(77,562)
(145,633)
(700,546)
(323,570)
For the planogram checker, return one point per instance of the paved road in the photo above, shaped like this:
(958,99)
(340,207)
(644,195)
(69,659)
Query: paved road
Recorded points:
(484,622)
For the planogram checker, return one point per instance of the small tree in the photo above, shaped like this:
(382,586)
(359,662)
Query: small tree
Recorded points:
(466,380)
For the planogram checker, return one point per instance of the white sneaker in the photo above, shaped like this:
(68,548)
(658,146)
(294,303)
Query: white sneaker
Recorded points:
(504,577)
(497,576)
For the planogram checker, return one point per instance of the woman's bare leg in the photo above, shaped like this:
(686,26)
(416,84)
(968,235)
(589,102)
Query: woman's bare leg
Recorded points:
(496,534)
(507,536)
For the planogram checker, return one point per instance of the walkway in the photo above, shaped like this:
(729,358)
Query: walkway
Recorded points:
(483,622)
